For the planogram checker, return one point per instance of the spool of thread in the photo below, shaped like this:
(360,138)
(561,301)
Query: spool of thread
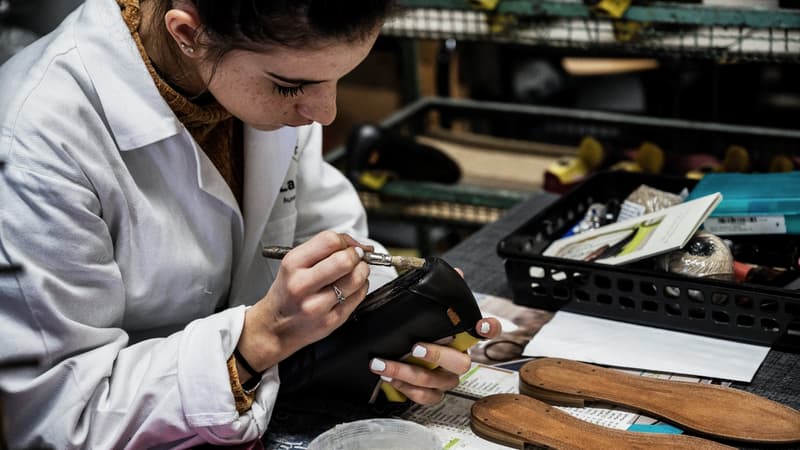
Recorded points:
(704,256)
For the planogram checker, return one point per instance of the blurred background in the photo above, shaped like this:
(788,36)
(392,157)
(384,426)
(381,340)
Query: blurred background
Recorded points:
(433,174)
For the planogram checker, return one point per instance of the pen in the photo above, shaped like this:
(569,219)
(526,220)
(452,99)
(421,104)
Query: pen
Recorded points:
(378,259)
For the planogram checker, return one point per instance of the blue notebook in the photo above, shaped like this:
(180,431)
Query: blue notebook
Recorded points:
(752,203)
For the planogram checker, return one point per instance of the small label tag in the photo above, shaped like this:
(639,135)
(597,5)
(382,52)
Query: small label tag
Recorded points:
(629,210)
(453,316)
(746,225)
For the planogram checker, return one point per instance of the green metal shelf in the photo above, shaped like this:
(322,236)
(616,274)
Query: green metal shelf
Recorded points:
(469,195)
(684,30)
(663,12)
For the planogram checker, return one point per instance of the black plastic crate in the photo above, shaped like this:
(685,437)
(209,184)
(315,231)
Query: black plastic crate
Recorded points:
(638,293)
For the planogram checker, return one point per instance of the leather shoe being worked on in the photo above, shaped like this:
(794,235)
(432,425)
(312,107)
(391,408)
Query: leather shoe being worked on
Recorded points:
(428,304)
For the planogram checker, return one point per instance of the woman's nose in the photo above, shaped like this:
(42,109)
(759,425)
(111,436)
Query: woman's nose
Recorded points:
(321,107)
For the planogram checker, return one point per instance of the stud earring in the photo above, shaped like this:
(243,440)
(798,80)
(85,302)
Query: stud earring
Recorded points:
(186,48)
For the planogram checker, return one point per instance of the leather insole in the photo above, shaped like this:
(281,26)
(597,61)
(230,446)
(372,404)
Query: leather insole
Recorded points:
(516,420)
(711,410)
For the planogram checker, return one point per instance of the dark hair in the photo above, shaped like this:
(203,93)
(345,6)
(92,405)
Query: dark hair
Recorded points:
(254,24)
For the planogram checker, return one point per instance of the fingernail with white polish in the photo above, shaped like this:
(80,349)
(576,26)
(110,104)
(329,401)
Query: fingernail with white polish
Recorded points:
(387,379)
(419,351)
(377,365)
(485,327)
(360,252)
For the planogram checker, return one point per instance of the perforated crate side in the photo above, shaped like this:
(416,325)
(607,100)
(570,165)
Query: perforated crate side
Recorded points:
(714,308)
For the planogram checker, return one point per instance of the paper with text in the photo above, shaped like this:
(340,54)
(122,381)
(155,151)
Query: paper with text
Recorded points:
(450,418)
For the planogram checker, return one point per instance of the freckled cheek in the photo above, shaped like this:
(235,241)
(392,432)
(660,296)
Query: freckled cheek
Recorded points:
(329,100)
(262,103)
(270,109)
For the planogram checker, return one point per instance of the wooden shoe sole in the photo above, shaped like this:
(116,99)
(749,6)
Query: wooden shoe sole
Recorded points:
(516,420)
(711,410)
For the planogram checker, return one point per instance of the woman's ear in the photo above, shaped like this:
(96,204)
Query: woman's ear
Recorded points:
(183,24)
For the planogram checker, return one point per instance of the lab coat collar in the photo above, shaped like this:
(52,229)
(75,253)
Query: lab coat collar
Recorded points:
(267,157)
(136,112)
(138,116)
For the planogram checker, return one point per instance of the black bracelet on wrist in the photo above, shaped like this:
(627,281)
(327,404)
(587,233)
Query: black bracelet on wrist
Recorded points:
(254,374)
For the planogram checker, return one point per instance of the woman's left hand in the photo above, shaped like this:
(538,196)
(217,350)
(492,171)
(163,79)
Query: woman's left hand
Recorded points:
(426,386)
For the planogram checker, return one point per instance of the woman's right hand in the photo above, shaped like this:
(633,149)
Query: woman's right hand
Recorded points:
(301,306)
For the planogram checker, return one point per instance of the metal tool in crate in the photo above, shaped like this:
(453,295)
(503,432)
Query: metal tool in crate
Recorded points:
(636,293)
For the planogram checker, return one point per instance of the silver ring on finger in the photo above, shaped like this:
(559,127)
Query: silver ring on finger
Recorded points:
(339,294)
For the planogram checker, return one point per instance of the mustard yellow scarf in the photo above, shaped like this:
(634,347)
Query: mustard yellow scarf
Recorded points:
(214,129)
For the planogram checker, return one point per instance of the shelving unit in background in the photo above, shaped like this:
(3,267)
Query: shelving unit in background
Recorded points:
(655,29)
(473,206)
(660,30)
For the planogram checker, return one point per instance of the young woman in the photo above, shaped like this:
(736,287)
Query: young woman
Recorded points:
(152,147)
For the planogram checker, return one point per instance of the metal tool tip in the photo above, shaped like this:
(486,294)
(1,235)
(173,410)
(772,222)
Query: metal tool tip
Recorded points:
(407,262)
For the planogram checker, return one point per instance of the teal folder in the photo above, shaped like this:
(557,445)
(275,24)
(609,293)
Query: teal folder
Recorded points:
(752,203)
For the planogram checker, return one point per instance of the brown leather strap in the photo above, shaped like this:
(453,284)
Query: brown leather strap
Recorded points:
(708,409)
(516,420)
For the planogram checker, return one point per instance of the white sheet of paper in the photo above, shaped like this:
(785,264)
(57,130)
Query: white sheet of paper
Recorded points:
(608,342)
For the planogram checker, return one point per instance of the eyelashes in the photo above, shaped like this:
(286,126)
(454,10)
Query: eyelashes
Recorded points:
(286,91)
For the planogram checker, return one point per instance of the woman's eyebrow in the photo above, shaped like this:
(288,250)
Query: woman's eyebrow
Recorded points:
(293,80)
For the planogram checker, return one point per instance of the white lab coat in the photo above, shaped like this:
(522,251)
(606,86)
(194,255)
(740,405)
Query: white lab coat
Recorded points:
(138,263)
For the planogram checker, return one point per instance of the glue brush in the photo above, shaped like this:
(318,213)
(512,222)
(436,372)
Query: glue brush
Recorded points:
(378,259)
